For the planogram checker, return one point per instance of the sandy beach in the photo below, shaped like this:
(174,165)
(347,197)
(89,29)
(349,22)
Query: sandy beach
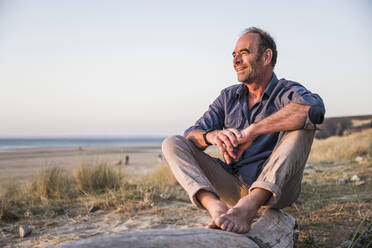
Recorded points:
(22,163)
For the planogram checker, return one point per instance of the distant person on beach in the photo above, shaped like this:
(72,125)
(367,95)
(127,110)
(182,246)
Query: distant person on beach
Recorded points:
(264,128)
(126,160)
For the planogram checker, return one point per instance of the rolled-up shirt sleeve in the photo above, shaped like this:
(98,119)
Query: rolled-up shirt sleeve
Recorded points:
(296,93)
(213,118)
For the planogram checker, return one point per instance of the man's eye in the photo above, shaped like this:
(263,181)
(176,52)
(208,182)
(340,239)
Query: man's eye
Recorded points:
(244,52)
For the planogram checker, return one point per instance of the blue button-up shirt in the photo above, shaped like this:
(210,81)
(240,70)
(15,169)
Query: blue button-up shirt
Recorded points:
(230,110)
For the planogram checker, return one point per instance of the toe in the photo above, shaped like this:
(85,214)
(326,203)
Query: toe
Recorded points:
(230,227)
(219,221)
(244,229)
(212,225)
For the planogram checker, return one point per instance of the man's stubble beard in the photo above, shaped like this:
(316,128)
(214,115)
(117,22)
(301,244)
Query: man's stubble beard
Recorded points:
(255,75)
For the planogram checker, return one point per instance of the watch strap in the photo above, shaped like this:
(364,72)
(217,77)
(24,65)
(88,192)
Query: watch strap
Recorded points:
(205,136)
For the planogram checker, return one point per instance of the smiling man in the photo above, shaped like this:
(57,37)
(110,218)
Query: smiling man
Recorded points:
(263,127)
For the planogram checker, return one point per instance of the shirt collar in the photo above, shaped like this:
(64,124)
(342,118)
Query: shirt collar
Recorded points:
(270,87)
(242,90)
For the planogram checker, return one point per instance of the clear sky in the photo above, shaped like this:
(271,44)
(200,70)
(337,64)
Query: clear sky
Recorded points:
(77,68)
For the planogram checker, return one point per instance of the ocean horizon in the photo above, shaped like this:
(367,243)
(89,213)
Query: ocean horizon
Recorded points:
(35,142)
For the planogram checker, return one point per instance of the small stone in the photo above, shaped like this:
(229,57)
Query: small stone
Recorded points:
(359,159)
(355,178)
(343,180)
(309,166)
(94,208)
(24,231)
(357,183)
(165,196)
(28,214)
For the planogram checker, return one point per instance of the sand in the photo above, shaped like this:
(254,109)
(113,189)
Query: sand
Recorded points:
(61,229)
(22,163)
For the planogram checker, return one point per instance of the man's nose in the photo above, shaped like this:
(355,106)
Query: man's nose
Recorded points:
(237,59)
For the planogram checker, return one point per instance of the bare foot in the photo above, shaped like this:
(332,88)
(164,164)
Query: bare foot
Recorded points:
(215,206)
(216,210)
(237,220)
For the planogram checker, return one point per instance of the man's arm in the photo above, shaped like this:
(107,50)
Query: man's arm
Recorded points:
(291,117)
(196,137)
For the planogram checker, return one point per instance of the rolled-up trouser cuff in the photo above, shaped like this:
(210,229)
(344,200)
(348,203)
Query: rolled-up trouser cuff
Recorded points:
(273,188)
(192,195)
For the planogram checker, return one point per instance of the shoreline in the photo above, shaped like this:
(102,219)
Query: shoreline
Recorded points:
(22,163)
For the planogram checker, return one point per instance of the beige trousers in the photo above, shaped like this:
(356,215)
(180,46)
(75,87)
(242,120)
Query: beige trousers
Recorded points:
(281,174)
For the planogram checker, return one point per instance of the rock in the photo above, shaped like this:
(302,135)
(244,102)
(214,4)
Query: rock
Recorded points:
(24,231)
(165,196)
(309,166)
(354,178)
(359,159)
(273,229)
(9,216)
(357,183)
(93,209)
(343,180)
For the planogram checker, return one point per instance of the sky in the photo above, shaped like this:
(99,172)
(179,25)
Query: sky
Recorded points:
(151,68)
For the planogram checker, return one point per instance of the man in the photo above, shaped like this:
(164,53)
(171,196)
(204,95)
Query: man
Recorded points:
(263,127)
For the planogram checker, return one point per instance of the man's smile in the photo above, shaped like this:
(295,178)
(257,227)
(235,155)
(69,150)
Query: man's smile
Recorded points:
(240,68)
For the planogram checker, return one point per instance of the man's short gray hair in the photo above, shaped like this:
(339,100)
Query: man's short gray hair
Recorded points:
(266,42)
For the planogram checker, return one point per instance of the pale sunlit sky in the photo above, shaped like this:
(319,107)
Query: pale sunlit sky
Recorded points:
(79,68)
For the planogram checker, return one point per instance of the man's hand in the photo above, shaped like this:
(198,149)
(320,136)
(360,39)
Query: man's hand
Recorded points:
(246,138)
(225,140)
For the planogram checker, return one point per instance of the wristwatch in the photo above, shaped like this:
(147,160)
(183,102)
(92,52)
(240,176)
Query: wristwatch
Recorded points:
(205,136)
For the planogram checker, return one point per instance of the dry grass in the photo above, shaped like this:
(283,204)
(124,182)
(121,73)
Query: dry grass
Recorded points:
(91,184)
(11,198)
(346,148)
(161,176)
(52,183)
(329,211)
(96,178)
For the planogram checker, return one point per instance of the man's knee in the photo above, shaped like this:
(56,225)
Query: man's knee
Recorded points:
(171,143)
(301,134)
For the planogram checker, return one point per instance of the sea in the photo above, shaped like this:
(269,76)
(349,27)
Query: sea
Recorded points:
(11,143)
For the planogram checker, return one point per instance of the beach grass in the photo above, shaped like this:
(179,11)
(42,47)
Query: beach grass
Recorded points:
(342,148)
(97,178)
(51,183)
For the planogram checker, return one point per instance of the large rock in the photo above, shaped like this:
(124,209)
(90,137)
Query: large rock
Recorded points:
(273,229)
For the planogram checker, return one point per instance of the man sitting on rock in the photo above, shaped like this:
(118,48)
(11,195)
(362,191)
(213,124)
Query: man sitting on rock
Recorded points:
(263,127)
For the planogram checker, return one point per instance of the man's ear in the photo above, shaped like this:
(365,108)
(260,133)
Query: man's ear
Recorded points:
(267,56)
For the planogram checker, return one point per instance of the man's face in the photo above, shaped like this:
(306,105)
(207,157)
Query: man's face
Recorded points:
(247,62)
